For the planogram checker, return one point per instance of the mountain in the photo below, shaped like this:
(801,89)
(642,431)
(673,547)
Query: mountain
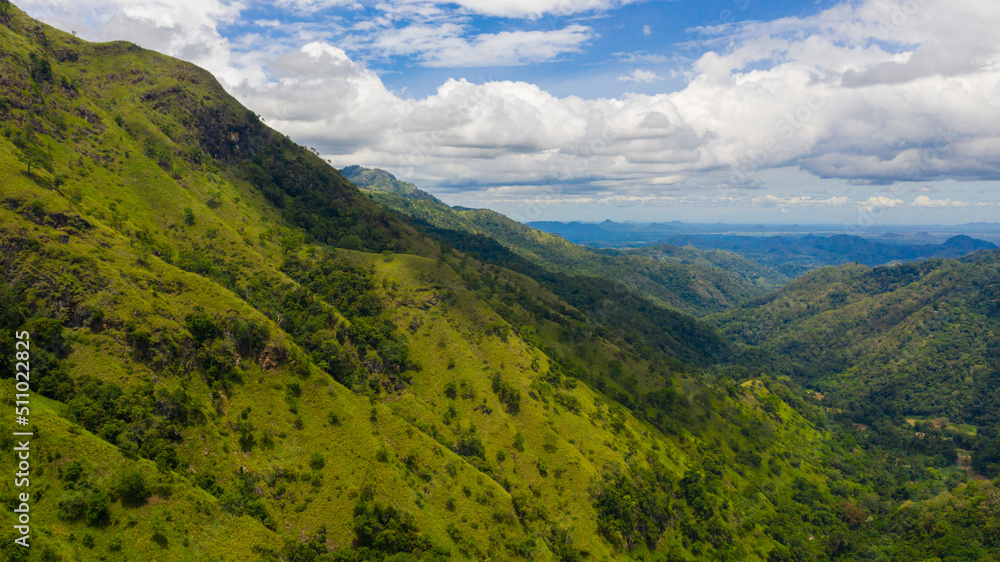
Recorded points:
(796,255)
(963,245)
(790,255)
(607,234)
(687,280)
(222,372)
(891,345)
(236,355)
(375,179)
(748,271)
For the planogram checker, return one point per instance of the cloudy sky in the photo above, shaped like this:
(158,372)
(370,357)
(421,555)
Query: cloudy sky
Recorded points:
(713,110)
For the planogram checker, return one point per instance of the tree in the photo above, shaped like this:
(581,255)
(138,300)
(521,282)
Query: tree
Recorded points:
(41,69)
(34,155)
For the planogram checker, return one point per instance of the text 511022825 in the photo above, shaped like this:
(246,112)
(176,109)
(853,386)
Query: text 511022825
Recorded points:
(22,437)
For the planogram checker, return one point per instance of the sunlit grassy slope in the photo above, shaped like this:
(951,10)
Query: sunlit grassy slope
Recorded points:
(238,356)
(685,279)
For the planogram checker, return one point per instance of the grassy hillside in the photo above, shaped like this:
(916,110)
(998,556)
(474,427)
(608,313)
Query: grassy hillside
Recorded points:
(238,356)
(167,251)
(613,303)
(687,280)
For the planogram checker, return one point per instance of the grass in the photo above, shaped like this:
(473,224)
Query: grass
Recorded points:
(148,229)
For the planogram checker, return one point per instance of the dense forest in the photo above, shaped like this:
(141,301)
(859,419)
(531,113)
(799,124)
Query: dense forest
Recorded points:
(239,355)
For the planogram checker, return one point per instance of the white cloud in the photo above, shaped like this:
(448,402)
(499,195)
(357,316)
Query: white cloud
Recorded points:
(444,45)
(927,202)
(879,202)
(640,58)
(856,92)
(311,5)
(640,76)
(537,8)
(646,30)
(790,200)
(529,9)
(319,88)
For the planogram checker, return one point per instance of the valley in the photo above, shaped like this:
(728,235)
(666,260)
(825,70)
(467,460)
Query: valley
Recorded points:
(243,353)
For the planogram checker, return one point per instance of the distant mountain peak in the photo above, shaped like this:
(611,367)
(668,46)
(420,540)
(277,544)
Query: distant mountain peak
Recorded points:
(968,243)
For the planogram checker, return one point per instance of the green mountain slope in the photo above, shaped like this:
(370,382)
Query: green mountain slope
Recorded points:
(684,279)
(161,246)
(899,345)
(236,355)
(746,270)
(610,302)
(380,180)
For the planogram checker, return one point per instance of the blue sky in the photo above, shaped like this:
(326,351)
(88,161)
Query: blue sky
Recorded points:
(663,37)
(728,110)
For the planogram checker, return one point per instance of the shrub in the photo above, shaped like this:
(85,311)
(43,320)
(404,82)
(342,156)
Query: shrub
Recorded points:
(509,396)
(519,442)
(470,445)
(387,529)
(132,488)
(201,325)
(317,462)
(88,504)
(73,471)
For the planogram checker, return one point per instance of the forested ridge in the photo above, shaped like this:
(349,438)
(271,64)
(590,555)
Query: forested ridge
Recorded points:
(238,355)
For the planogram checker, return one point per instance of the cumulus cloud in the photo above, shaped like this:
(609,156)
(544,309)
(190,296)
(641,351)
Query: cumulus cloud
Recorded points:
(879,202)
(186,28)
(639,75)
(927,202)
(865,92)
(791,200)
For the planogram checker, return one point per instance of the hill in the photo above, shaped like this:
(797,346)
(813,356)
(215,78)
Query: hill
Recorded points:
(789,249)
(380,180)
(236,355)
(898,346)
(201,348)
(796,255)
(694,282)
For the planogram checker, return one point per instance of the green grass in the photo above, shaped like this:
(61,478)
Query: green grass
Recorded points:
(685,279)
(255,344)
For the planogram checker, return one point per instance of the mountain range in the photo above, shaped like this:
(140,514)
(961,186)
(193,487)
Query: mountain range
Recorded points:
(789,249)
(236,354)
